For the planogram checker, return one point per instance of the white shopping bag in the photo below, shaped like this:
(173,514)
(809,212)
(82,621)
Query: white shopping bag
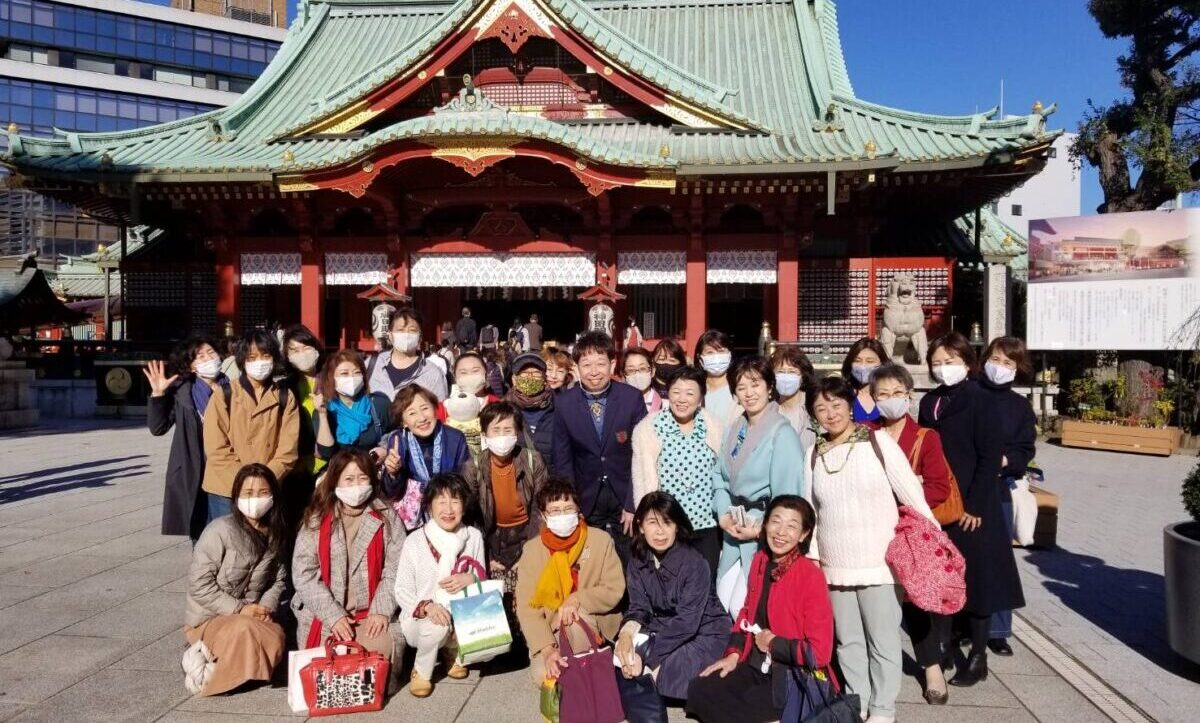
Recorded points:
(480,623)
(1025,512)
(731,589)
(297,659)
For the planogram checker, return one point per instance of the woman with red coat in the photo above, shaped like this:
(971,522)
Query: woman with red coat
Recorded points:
(787,599)
(891,388)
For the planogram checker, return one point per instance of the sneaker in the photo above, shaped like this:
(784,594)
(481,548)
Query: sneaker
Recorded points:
(419,687)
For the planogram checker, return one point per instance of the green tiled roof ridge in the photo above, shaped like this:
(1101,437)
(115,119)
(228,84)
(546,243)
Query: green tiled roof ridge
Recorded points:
(972,124)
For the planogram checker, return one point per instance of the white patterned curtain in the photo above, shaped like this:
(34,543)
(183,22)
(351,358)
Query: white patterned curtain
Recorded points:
(270,270)
(651,267)
(502,270)
(741,267)
(345,269)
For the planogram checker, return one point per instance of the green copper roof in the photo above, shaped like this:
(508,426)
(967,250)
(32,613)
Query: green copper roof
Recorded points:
(774,66)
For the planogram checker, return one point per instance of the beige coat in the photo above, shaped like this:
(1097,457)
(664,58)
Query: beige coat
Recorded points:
(601,587)
(227,573)
(250,431)
(647,446)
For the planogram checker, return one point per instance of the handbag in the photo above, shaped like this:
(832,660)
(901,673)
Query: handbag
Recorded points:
(351,682)
(1025,511)
(480,622)
(587,685)
(951,509)
(813,696)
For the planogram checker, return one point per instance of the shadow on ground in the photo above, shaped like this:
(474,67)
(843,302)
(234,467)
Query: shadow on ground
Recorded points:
(1127,604)
(44,482)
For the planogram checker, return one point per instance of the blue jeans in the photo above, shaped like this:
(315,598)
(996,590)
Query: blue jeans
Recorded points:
(218,506)
(1002,620)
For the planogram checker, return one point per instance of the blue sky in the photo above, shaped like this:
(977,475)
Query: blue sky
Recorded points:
(948,56)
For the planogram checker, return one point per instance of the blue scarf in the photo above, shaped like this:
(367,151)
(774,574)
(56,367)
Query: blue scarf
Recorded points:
(417,459)
(351,421)
(201,392)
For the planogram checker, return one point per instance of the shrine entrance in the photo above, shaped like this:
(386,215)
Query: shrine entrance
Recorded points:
(742,288)
(561,317)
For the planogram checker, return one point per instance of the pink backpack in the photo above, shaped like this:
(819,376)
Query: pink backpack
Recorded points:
(925,562)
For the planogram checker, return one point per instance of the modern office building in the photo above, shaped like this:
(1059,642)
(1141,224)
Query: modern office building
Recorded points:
(109,65)
(1056,192)
(263,12)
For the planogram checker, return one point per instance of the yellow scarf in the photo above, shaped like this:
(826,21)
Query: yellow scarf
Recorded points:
(556,582)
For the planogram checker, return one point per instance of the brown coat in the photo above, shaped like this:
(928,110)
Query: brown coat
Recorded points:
(601,587)
(251,431)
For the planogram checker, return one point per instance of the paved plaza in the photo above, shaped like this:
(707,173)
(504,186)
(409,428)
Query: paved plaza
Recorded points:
(91,600)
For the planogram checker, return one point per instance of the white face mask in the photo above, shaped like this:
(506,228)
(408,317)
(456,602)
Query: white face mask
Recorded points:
(998,373)
(255,507)
(405,342)
(562,525)
(353,496)
(716,363)
(787,383)
(639,380)
(950,374)
(259,370)
(893,408)
(502,445)
(208,369)
(348,386)
(305,360)
(862,372)
(471,383)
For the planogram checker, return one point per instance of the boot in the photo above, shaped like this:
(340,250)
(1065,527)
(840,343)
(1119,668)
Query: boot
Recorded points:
(975,671)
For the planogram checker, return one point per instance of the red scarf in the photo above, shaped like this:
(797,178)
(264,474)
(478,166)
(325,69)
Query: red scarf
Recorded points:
(374,569)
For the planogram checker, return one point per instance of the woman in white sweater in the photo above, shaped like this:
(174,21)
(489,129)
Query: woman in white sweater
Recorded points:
(438,561)
(857,478)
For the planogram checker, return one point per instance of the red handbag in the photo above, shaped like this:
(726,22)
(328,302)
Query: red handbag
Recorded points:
(352,682)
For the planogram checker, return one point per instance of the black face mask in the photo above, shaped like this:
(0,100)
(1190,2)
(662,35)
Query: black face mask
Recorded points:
(666,372)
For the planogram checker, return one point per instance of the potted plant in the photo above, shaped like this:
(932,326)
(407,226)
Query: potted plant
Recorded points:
(1181,570)
(1101,423)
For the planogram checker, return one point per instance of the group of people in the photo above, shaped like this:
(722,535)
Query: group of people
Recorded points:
(720,521)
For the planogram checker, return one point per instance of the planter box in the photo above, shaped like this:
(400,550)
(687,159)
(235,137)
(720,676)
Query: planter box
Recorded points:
(1120,438)
(1181,572)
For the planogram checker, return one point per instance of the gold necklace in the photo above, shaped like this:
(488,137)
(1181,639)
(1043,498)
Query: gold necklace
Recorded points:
(845,461)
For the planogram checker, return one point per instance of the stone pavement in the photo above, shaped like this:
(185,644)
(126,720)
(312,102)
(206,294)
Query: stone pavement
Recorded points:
(91,600)
(1099,594)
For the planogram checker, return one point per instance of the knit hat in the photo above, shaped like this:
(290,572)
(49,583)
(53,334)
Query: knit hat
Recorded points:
(527,359)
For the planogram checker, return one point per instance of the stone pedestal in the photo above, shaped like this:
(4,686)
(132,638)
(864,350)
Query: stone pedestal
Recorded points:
(17,406)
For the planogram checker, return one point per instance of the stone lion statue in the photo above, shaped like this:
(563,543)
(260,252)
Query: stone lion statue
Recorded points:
(903,318)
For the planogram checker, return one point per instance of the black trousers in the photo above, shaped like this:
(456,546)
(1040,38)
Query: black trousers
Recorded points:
(744,696)
(708,543)
(929,632)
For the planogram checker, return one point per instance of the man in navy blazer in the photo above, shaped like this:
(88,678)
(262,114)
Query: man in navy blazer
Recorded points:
(593,439)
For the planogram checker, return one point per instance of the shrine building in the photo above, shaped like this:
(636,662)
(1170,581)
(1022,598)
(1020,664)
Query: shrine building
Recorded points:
(707,159)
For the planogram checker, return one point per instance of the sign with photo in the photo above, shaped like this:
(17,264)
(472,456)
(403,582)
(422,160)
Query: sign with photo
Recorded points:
(1126,281)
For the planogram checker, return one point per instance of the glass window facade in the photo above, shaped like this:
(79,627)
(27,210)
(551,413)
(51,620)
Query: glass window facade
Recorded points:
(95,32)
(39,107)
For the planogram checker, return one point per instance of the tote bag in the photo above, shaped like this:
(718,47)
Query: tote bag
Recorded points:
(588,686)
(480,622)
(1025,511)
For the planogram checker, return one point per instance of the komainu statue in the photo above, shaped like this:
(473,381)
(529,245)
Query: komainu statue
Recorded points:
(903,320)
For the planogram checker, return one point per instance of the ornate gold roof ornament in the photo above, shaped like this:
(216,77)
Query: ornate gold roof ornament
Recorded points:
(831,122)
(870,148)
(288,156)
(664,151)
(1038,107)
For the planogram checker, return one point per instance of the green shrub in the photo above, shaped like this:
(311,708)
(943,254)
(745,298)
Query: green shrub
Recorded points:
(1191,493)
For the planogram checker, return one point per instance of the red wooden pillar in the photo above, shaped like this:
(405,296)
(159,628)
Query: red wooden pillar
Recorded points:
(229,275)
(696,291)
(787,289)
(312,287)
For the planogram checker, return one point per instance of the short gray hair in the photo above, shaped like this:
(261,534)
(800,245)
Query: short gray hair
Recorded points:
(893,371)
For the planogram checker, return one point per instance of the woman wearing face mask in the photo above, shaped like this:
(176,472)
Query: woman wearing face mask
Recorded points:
(421,448)
(436,563)
(505,483)
(965,416)
(857,477)
(352,416)
(675,625)
(638,372)
(256,420)
(530,394)
(560,368)
(714,355)
(234,584)
(761,458)
(180,401)
(405,364)
(864,356)
(669,360)
(793,375)
(1006,360)
(677,451)
(569,573)
(469,395)
(789,604)
(344,564)
(891,387)
(305,360)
